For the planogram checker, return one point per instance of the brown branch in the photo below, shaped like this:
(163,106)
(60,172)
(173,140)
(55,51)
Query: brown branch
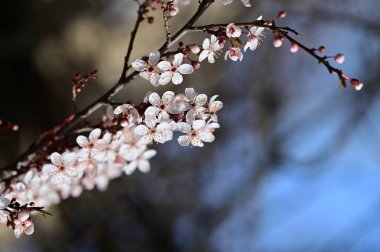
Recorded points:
(141,11)
(284,31)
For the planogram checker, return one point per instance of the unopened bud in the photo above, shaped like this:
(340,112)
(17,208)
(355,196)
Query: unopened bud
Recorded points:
(294,48)
(277,41)
(173,10)
(196,64)
(281,14)
(14,127)
(356,84)
(195,49)
(322,49)
(339,58)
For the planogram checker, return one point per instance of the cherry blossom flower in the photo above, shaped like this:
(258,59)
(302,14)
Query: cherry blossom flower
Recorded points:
(160,133)
(212,109)
(174,72)
(92,146)
(245,2)
(161,107)
(210,49)
(194,103)
(196,135)
(233,31)
(254,37)
(139,159)
(62,169)
(23,224)
(234,53)
(148,70)
(129,113)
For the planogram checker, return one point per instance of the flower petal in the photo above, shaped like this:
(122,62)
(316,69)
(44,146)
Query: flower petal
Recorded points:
(204,54)
(154,99)
(144,166)
(141,130)
(199,124)
(82,141)
(185,69)
(164,65)
(177,78)
(94,134)
(178,58)
(56,159)
(154,57)
(165,78)
(139,65)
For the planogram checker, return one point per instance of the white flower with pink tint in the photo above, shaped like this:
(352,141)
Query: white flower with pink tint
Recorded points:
(62,169)
(139,160)
(255,36)
(233,31)
(128,113)
(210,49)
(161,107)
(23,224)
(234,53)
(160,133)
(174,72)
(148,70)
(196,135)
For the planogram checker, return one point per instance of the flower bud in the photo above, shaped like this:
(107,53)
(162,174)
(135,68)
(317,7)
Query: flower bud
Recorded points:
(277,41)
(196,64)
(281,14)
(294,48)
(195,49)
(339,58)
(322,49)
(356,84)
(173,10)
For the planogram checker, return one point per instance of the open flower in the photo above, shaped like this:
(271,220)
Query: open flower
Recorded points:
(254,37)
(62,169)
(128,113)
(161,107)
(233,31)
(234,53)
(197,134)
(210,49)
(174,72)
(160,133)
(23,224)
(139,159)
(148,70)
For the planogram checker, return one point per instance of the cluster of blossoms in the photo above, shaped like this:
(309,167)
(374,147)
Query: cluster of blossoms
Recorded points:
(106,154)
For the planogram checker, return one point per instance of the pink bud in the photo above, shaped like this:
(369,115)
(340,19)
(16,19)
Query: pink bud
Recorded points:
(15,127)
(195,49)
(322,49)
(356,84)
(294,48)
(339,58)
(196,64)
(281,14)
(277,42)
(173,10)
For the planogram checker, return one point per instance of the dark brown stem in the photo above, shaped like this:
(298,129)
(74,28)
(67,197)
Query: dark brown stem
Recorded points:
(284,31)
(140,18)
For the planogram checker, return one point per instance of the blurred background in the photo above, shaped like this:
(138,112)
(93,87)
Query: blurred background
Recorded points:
(295,166)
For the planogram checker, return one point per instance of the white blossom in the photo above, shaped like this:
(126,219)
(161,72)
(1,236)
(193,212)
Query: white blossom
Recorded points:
(210,49)
(233,31)
(139,159)
(234,53)
(197,134)
(148,70)
(62,169)
(173,72)
(254,37)
(23,224)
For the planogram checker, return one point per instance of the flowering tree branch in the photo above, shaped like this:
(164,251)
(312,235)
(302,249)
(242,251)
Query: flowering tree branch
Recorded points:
(70,157)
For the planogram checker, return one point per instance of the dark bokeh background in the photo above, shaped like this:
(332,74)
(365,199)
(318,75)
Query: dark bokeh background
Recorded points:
(294,166)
